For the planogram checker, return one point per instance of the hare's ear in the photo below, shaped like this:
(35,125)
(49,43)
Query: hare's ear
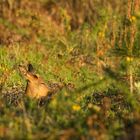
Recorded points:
(22,70)
(30,68)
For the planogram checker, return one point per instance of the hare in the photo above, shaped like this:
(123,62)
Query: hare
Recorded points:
(36,87)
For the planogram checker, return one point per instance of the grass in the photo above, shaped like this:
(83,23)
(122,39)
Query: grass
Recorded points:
(97,63)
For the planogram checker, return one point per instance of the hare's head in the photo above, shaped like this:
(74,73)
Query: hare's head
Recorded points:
(36,87)
(28,73)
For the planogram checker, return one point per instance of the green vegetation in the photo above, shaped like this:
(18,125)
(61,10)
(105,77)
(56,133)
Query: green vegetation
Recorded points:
(91,47)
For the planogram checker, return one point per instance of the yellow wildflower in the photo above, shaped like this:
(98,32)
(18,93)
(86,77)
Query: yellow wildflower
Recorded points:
(76,107)
(132,19)
(129,59)
(66,94)
(101,77)
(101,34)
(54,103)
(96,108)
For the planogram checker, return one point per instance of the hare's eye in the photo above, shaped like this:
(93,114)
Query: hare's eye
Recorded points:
(42,83)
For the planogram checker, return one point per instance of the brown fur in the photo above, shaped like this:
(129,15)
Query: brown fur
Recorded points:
(36,87)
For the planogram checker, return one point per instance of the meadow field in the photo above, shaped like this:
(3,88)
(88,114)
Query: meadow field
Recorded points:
(88,52)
